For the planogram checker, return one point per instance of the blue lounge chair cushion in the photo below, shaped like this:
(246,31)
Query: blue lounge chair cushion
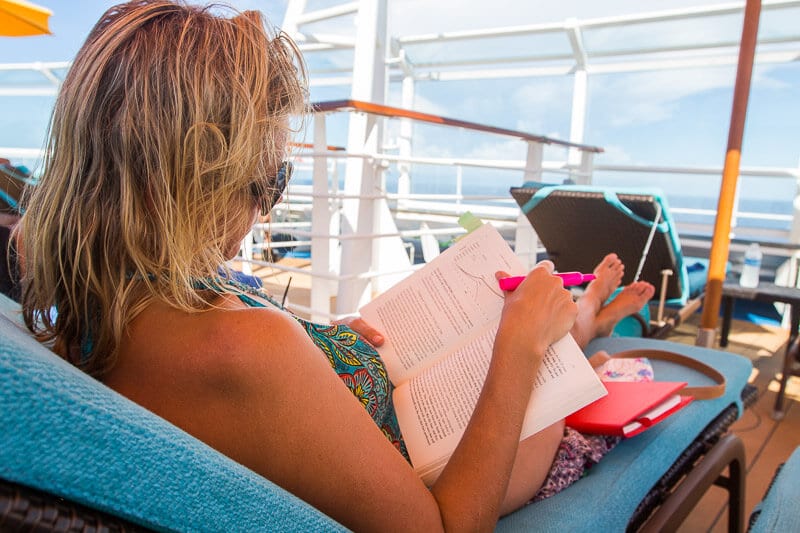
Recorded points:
(778,511)
(606,497)
(697,270)
(65,433)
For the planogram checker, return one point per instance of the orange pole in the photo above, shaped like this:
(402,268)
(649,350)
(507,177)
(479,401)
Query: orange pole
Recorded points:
(720,244)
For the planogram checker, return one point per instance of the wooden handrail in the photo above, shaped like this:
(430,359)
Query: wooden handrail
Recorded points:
(309,146)
(397,112)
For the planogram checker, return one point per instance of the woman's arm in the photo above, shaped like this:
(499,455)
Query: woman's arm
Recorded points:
(476,477)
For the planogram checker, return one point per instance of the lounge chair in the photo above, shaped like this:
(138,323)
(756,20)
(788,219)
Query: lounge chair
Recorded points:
(579,224)
(778,510)
(9,277)
(72,449)
(12,182)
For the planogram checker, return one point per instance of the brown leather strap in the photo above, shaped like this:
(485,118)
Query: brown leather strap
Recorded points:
(699,393)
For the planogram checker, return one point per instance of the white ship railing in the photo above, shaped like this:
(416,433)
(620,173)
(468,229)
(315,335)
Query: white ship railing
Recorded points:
(318,208)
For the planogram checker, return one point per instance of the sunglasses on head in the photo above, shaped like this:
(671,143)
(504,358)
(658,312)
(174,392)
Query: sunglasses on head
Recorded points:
(268,198)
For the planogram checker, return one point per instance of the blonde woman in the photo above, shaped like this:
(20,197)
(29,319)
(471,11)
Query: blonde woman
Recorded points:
(168,140)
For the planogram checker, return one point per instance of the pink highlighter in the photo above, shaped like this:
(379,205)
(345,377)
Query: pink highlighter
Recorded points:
(569,279)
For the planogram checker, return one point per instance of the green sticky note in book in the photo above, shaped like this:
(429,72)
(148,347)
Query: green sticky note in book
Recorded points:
(469,222)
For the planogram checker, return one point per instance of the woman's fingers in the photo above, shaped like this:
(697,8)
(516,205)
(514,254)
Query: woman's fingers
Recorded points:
(360,326)
(539,311)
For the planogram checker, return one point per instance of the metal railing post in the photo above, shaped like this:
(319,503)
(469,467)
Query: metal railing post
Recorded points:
(404,141)
(324,221)
(580,92)
(794,231)
(364,214)
(526,242)
(586,168)
(364,136)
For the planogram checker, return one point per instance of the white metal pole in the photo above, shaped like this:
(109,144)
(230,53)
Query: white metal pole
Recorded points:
(294,9)
(323,222)
(404,142)
(526,242)
(364,136)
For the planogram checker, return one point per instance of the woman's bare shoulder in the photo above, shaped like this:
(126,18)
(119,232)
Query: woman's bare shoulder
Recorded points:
(212,372)
(230,341)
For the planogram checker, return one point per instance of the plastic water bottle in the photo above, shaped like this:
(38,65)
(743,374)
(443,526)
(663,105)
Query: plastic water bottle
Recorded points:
(752,266)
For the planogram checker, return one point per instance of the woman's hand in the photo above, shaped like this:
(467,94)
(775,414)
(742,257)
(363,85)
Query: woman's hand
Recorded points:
(538,312)
(360,326)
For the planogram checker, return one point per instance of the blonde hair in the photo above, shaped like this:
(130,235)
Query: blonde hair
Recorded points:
(167,118)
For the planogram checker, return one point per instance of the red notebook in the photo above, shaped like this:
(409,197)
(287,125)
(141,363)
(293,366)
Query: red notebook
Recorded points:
(630,407)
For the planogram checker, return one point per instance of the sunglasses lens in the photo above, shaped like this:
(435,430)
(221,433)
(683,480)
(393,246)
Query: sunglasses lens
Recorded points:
(284,174)
(269,200)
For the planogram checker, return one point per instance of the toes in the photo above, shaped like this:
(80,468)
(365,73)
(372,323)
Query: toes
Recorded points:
(650,291)
(609,261)
(644,288)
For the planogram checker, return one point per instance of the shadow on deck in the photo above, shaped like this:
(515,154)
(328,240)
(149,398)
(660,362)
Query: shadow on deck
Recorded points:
(768,442)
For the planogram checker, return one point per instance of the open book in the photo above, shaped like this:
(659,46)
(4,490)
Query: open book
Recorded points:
(439,325)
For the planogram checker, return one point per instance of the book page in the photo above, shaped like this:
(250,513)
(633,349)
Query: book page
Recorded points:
(453,296)
(434,407)
(565,383)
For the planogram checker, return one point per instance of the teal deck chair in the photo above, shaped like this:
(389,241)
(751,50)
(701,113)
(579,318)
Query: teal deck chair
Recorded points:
(778,510)
(579,224)
(12,182)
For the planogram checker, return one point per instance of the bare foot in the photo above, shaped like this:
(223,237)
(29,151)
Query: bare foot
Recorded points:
(629,301)
(609,274)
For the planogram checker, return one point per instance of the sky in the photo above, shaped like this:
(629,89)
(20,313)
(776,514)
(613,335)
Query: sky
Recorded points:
(72,19)
(665,118)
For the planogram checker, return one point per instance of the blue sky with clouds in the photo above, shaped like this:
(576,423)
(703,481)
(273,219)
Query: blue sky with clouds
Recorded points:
(72,20)
(659,118)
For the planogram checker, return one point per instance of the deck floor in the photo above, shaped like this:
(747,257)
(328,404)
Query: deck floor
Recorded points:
(767,442)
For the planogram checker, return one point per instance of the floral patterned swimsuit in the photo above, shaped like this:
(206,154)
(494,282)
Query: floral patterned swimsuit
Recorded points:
(353,359)
(360,368)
